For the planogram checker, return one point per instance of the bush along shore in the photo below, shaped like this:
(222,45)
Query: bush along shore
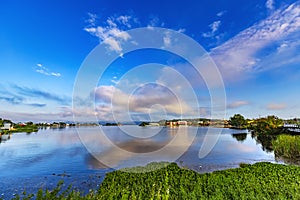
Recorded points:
(257,181)
(287,147)
(271,132)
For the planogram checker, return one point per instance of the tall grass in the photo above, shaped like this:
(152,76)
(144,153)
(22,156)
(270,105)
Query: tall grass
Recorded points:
(287,146)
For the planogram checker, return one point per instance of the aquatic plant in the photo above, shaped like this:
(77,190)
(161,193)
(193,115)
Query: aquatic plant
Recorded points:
(257,181)
(287,146)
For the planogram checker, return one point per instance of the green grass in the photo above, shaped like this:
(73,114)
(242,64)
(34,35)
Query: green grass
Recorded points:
(258,181)
(287,146)
(24,129)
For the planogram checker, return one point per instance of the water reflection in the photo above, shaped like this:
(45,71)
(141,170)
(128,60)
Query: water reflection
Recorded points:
(4,138)
(93,163)
(240,137)
(62,150)
(233,147)
(265,141)
(287,160)
(167,145)
(267,146)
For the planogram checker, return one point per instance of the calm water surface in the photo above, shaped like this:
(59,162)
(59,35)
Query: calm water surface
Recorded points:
(40,160)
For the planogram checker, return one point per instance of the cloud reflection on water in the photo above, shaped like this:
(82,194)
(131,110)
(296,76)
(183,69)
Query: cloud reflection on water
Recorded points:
(171,145)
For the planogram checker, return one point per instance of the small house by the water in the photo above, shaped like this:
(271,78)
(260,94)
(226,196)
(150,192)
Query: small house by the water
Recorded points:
(7,126)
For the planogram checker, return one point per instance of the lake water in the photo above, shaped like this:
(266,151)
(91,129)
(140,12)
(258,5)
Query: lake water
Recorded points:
(40,160)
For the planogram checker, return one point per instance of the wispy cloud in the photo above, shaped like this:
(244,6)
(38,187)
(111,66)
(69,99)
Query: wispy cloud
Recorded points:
(154,21)
(181,30)
(112,32)
(237,104)
(214,28)
(270,4)
(92,19)
(31,92)
(125,20)
(12,99)
(60,115)
(18,100)
(276,106)
(221,13)
(167,39)
(45,71)
(37,104)
(242,53)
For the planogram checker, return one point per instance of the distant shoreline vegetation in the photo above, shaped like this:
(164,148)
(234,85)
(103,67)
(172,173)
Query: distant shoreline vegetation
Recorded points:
(270,125)
(9,127)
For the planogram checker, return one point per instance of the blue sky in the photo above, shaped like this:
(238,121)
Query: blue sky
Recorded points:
(43,44)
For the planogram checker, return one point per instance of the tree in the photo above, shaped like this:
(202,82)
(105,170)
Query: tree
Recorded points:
(238,121)
(268,125)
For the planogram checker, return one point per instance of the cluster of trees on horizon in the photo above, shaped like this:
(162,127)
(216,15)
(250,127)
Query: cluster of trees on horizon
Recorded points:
(263,125)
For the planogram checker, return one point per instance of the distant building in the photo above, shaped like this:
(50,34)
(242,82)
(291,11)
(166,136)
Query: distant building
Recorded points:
(21,124)
(290,126)
(177,123)
(7,126)
(182,123)
(170,123)
(153,124)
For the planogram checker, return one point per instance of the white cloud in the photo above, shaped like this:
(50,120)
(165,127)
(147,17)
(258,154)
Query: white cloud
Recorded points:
(111,22)
(237,104)
(111,33)
(282,47)
(114,81)
(276,106)
(154,21)
(92,19)
(214,28)
(125,20)
(221,13)
(45,71)
(114,45)
(286,53)
(181,30)
(111,100)
(167,39)
(55,74)
(270,4)
(41,71)
(239,54)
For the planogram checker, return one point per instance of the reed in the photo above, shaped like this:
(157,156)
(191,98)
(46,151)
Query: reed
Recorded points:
(287,146)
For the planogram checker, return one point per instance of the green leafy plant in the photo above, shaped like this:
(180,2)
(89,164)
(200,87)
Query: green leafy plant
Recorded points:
(257,181)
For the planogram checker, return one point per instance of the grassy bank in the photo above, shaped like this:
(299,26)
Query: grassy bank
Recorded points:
(287,146)
(258,181)
(24,129)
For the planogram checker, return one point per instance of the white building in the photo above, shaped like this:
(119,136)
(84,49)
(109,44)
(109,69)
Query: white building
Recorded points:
(6,126)
(182,123)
